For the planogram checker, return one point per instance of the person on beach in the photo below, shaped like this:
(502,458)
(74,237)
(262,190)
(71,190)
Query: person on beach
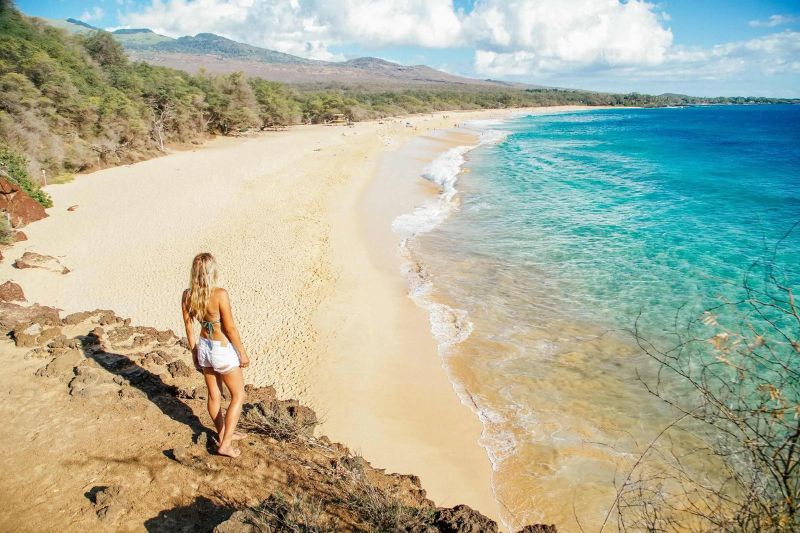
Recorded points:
(218,353)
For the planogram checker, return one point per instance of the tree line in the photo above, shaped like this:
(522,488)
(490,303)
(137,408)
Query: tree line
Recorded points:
(70,103)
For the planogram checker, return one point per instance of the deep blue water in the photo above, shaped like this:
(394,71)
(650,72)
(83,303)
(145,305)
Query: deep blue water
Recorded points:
(636,209)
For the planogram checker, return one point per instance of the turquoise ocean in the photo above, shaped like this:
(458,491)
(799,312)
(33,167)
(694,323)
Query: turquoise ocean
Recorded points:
(548,240)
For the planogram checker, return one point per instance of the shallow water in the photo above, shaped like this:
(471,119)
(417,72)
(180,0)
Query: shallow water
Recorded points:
(536,262)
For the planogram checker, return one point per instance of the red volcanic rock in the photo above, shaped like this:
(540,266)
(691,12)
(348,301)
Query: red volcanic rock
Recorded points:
(20,236)
(72,208)
(11,292)
(12,315)
(21,208)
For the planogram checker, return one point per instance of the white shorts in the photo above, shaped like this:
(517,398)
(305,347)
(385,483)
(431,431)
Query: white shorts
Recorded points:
(212,354)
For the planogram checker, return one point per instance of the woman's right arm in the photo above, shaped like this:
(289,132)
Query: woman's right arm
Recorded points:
(188,324)
(229,328)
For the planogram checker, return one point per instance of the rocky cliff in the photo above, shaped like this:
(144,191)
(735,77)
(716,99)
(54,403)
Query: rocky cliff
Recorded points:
(108,431)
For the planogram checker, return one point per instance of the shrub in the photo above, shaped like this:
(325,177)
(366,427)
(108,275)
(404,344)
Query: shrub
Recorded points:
(14,167)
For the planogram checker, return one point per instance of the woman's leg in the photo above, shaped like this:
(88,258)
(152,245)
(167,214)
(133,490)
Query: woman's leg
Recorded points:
(214,384)
(235,383)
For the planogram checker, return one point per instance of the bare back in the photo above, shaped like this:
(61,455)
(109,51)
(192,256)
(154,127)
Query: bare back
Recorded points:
(217,316)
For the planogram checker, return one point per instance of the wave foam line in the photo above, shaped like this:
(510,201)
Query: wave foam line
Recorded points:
(450,326)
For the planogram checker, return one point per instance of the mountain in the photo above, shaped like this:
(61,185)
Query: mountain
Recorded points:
(210,44)
(221,55)
(139,37)
(71,25)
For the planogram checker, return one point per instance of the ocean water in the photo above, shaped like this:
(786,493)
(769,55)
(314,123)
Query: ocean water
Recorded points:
(551,236)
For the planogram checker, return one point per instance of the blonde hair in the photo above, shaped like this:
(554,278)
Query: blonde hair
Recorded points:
(202,281)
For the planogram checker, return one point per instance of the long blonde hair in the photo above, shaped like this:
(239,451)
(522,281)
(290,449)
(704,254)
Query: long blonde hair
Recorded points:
(202,281)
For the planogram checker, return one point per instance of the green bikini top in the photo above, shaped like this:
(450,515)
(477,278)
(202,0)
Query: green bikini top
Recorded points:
(208,325)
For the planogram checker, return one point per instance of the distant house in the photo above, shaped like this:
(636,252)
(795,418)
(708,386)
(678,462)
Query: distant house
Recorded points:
(337,118)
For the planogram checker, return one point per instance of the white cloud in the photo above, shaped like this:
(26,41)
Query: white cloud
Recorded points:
(94,13)
(754,59)
(773,21)
(429,23)
(306,27)
(526,36)
(286,25)
(535,39)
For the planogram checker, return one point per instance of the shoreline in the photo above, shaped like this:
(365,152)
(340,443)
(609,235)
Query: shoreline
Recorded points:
(413,350)
(277,210)
(412,420)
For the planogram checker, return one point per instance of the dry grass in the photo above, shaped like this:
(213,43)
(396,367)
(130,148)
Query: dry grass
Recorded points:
(290,514)
(273,420)
(377,508)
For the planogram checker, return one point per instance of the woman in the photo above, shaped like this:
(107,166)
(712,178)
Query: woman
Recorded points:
(219,353)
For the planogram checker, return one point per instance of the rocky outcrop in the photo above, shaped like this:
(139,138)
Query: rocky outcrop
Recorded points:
(20,208)
(46,262)
(13,315)
(11,292)
(303,482)
(463,519)
(35,333)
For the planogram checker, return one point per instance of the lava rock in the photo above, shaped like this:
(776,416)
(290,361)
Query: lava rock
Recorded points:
(11,292)
(35,260)
(463,519)
(21,208)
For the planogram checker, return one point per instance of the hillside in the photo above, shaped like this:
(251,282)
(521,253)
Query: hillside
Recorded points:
(139,37)
(218,54)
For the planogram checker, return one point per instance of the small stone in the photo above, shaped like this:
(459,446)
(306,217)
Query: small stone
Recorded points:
(179,369)
(20,236)
(11,292)
(72,208)
(35,260)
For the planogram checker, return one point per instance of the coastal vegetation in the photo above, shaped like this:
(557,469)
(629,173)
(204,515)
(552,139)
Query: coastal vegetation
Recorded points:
(730,376)
(70,103)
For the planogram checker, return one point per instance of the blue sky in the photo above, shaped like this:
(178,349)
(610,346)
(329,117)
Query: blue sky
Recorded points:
(702,47)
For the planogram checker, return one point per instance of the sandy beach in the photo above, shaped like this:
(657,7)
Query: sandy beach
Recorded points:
(300,223)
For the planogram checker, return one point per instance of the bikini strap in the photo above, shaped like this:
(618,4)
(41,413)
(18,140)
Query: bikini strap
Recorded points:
(208,325)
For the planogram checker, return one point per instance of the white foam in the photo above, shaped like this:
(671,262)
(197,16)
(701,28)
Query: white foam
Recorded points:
(450,326)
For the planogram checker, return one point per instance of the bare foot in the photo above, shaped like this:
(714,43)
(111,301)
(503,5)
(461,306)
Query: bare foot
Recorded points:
(237,435)
(229,451)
